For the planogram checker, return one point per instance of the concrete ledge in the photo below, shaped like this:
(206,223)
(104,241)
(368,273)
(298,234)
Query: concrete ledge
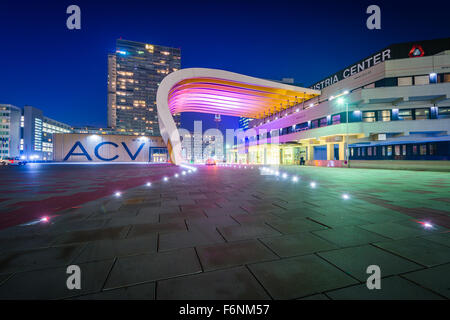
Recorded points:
(429,165)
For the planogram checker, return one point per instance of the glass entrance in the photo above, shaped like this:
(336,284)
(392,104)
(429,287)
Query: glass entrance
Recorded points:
(158,155)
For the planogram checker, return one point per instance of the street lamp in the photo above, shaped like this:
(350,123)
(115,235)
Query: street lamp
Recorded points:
(341,101)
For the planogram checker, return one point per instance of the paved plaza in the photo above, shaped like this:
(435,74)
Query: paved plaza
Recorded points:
(223,232)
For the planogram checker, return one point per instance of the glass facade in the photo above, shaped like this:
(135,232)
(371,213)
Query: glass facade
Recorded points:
(369,116)
(403,151)
(9,130)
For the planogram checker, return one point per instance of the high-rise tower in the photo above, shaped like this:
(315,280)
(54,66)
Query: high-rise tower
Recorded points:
(134,73)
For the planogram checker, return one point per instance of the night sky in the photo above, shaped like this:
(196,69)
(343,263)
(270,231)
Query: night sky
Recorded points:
(64,72)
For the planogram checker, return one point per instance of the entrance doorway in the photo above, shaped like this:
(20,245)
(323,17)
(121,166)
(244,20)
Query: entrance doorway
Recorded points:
(158,155)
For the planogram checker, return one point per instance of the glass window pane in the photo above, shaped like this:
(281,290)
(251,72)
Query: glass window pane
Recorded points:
(444,112)
(369,116)
(447,77)
(420,80)
(423,149)
(432,147)
(405,81)
(384,115)
(336,119)
(405,114)
(422,114)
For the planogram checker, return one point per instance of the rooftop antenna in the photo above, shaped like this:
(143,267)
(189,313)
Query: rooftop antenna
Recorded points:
(217,119)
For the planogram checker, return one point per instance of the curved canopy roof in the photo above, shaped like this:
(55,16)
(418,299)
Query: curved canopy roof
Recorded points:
(228,93)
(220,92)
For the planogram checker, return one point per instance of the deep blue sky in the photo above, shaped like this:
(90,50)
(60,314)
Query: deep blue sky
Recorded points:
(64,72)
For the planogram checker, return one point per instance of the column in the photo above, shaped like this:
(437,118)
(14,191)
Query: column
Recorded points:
(330,151)
(342,151)
(310,152)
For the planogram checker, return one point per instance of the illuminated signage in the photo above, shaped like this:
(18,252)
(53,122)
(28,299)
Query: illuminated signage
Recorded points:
(416,51)
(354,69)
(395,51)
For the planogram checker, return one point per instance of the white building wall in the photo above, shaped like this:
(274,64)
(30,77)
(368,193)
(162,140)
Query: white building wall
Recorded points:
(114,149)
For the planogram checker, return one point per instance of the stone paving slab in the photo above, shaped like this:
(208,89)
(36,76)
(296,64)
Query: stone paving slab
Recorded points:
(51,283)
(140,219)
(247,231)
(355,260)
(300,212)
(289,242)
(82,225)
(109,249)
(349,236)
(233,254)
(288,226)
(229,284)
(212,222)
(392,288)
(393,230)
(443,238)
(316,297)
(419,250)
(121,212)
(157,211)
(151,267)
(25,242)
(149,228)
(187,239)
(436,279)
(297,244)
(144,291)
(297,277)
(17,261)
(255,218)
(181,216)
(334,221)
(227,211)
(4,277)
(92,235)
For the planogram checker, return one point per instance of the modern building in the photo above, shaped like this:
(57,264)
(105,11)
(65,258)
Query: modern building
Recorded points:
(37,134)
(392,105)
(81,147)
(243,123)
(135,71)
(94,130)
(28,133)
(10,131)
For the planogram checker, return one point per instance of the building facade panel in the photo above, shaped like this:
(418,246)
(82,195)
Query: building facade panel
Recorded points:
(108,148)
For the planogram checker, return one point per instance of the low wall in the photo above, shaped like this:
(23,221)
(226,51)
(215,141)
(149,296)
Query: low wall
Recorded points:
(429,165)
